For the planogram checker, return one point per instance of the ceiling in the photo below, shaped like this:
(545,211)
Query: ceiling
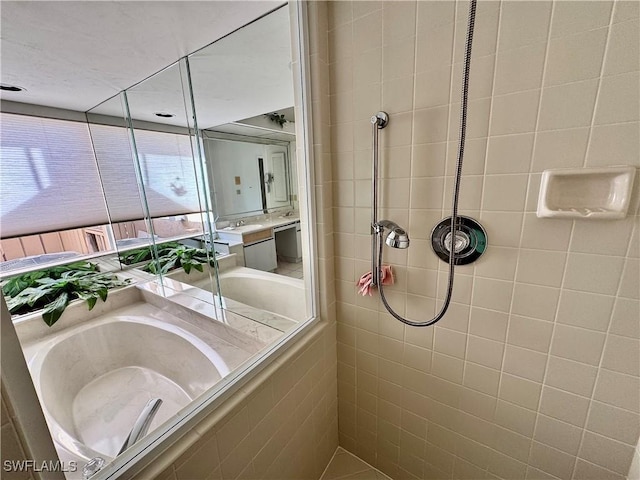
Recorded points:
(75,55)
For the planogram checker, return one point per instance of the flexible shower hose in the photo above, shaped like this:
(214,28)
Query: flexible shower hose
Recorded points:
(456,187)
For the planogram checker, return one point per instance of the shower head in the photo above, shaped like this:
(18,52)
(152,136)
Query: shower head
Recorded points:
(397,237)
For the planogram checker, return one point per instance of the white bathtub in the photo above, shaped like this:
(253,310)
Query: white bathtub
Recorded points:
(266,291)
(273,293)
(94,379)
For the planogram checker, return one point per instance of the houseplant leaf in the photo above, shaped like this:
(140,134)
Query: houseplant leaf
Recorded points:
(53,311)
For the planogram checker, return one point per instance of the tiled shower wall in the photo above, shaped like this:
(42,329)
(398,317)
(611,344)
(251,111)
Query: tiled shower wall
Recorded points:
(534,371)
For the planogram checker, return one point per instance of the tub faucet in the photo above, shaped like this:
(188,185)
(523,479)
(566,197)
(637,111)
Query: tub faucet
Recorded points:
(239,223)
(141,426)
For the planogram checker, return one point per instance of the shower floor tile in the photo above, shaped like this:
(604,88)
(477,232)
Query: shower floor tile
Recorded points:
(346,466)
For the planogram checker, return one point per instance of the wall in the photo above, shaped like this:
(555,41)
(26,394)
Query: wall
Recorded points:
(533,372)
(12,447)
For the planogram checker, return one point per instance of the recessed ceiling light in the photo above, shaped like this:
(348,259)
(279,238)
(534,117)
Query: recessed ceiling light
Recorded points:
(11,88)
(164,114)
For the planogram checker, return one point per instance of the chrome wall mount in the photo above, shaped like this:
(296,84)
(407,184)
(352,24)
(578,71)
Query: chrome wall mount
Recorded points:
(378,121)
(469,244)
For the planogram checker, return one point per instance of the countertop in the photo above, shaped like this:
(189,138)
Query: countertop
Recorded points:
(232,233)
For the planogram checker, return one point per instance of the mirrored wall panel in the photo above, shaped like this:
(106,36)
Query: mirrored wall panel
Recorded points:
(184,191)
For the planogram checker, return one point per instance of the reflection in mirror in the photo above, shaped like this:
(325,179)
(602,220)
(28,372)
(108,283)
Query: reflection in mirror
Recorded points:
(206,300)
(243,91)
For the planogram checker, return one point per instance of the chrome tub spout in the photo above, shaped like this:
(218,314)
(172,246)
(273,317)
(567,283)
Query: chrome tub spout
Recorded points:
(141,426)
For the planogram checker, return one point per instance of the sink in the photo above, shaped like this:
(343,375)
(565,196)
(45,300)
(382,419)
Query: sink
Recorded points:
(244,228)
(251,226)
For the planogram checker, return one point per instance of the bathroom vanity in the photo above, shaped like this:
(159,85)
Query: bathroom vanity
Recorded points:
(264,242)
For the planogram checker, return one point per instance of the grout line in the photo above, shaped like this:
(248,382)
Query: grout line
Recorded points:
(584,164)
(601,74)
(522,226)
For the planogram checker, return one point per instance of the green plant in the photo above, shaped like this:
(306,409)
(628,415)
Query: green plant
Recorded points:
(276,118)
(52,289)
(171,256)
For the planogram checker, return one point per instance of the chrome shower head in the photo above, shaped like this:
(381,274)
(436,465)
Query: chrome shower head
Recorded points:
(397,237)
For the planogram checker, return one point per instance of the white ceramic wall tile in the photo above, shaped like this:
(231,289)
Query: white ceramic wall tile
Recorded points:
(535,301)
(524,24)
(557,434)
(493,294)
(630,281)
(618,389)
(513,417)
(510,154)
(541,267)
(567,106)
(367,67)
(474,154)
(503,228)
(546,234)
(482,379)
(593,273)
(564,406)
(578,344)
(530,333)
(626,10)
(589,471)
(499,263)
(449,342)
(585,310)
(570,18)
(520,391)
(550,460)
(623,51)
(524,363)
(622,354)
(560,149)
(613,422)
(548,317)
(515,112)
(618,101)
(610,239)
(624,318)
(447,368)
(360,9)
(428,57)
(484,40)
(519,69)
(504,192)
(367,32)
(607,453)
(571,376)
(614,145)
(576,57)
(398,58)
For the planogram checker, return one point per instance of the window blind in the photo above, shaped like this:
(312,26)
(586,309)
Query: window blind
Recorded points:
(166,165)
(49,177)
(52,180)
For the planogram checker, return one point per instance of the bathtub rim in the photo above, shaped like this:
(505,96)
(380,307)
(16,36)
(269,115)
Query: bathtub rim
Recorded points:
(36,356)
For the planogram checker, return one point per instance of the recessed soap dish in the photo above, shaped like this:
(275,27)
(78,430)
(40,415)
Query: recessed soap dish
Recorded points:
(593,193)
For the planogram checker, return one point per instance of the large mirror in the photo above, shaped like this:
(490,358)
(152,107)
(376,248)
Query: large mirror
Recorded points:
(243,91)
(197,170)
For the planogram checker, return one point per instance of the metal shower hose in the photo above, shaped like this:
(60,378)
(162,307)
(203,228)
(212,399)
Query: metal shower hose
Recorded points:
(456,187)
